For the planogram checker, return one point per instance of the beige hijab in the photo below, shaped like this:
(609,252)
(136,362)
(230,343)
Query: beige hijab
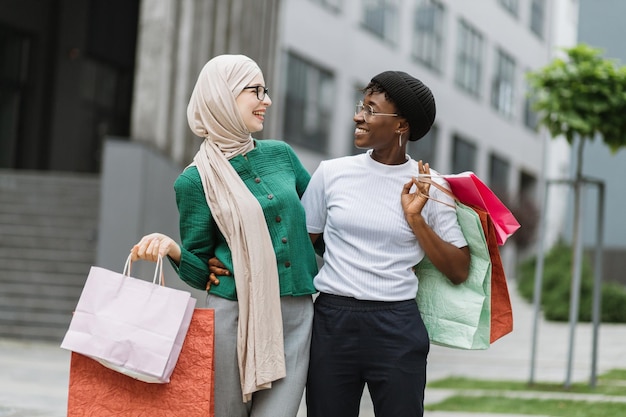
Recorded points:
(214,115)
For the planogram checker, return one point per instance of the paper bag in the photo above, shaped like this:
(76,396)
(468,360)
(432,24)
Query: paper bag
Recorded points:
(458,316)
(130,325)
(501,310)
(470,190)
(96,391)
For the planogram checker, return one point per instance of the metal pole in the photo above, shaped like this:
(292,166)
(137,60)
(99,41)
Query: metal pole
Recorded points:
(596,311)
(576,277)
(538,284)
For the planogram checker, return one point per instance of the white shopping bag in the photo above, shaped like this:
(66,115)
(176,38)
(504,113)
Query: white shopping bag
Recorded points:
(130,325)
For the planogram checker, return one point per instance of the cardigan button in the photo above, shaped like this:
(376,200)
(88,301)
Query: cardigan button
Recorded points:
(284,240)
(257,180)
(270,196)
(278,219)
(287,264)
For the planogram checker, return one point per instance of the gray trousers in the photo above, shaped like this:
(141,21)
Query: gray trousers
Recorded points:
(283,399)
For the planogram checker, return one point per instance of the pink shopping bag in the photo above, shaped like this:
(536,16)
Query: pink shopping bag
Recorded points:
(470,190)
(130,325)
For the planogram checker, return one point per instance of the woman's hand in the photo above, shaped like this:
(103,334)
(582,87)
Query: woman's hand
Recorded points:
(413,202)
(215,268)
(151,246)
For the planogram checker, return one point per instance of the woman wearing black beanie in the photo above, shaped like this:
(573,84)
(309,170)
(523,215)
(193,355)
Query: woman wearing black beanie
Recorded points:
(377,224)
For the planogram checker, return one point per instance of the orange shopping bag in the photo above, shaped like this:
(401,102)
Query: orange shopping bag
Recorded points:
(501,310)
(97,391)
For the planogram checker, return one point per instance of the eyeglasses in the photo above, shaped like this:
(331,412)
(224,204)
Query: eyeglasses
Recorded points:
(368,111)
(261,91)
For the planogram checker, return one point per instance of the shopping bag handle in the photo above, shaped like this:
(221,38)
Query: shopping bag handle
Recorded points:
(426,178)
(158,270)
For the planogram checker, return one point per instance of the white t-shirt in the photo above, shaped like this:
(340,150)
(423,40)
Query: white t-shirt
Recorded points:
(370,247)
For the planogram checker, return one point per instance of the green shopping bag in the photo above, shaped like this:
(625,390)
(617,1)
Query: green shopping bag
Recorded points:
(459,316)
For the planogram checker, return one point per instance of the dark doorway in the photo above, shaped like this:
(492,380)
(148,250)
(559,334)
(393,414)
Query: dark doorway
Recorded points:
(66,80)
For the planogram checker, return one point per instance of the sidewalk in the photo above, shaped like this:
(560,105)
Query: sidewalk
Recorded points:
(34,375)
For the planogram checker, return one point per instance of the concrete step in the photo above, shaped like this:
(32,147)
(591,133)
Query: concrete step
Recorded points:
(60,254)
(49,230)
(49,218)
(77,243)
(37,265)
(47,278)
(49,227)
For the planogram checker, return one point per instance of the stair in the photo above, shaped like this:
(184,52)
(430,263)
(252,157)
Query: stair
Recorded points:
(48,237)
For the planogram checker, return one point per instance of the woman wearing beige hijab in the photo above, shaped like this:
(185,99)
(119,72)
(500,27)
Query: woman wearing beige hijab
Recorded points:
(239,201)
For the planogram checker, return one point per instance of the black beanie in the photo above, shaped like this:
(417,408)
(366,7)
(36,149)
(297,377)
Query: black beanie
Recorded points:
(413,99)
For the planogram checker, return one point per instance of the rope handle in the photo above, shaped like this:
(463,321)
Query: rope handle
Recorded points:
(158,270)
(426,178)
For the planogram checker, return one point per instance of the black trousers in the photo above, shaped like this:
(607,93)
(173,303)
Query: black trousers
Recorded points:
(354,342)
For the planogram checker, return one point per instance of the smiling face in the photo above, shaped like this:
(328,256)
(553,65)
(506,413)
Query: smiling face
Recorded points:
(252,109)
(378,132)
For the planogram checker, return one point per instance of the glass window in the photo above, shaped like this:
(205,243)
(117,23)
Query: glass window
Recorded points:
(309,97)
(528,186)
(424,148)
(463,155)
(381,18)
(503,84)
(531,118)
(331,4)
(511,6)
(499,175)
(469,59)
(14,60)
(428,33)
(537,16)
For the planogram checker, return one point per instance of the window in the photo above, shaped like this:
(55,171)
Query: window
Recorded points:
(469,59)
(528,186)
(537,17)
(428,33)
(309,98)
(499,175)
(424,148)
(510,5)
(381,18)
(531,118)
(331,4)
(14,63)
(463,155)
(503,84)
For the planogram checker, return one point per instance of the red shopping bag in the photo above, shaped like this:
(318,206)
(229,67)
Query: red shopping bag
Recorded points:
(470,190)
(501,310)
(97,391)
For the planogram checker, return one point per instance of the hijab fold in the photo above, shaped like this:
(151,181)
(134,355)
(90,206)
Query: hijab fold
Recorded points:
(214,115)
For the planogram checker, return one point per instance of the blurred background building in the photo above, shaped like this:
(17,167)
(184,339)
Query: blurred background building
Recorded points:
(93,127)
(601,26)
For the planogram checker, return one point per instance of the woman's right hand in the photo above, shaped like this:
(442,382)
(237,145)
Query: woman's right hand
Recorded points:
(151,246)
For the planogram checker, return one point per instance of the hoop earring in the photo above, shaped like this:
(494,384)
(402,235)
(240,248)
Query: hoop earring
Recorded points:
(400,140)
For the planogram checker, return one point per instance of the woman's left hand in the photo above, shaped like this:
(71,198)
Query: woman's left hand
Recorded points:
(215,268)
(413,202)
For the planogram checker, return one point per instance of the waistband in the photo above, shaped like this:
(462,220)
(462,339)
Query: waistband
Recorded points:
(350,303)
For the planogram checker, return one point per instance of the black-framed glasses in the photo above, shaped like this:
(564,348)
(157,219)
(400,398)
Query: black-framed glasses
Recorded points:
(261,91)
(368,111)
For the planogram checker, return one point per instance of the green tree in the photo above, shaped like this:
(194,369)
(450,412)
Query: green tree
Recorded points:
(581,96)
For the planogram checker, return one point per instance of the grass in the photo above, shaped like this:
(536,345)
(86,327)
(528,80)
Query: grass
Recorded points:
(560,408)
(499,400)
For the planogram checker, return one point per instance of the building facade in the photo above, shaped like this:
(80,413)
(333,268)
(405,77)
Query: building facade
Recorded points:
(473,55)
(100,88)
(601,27)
